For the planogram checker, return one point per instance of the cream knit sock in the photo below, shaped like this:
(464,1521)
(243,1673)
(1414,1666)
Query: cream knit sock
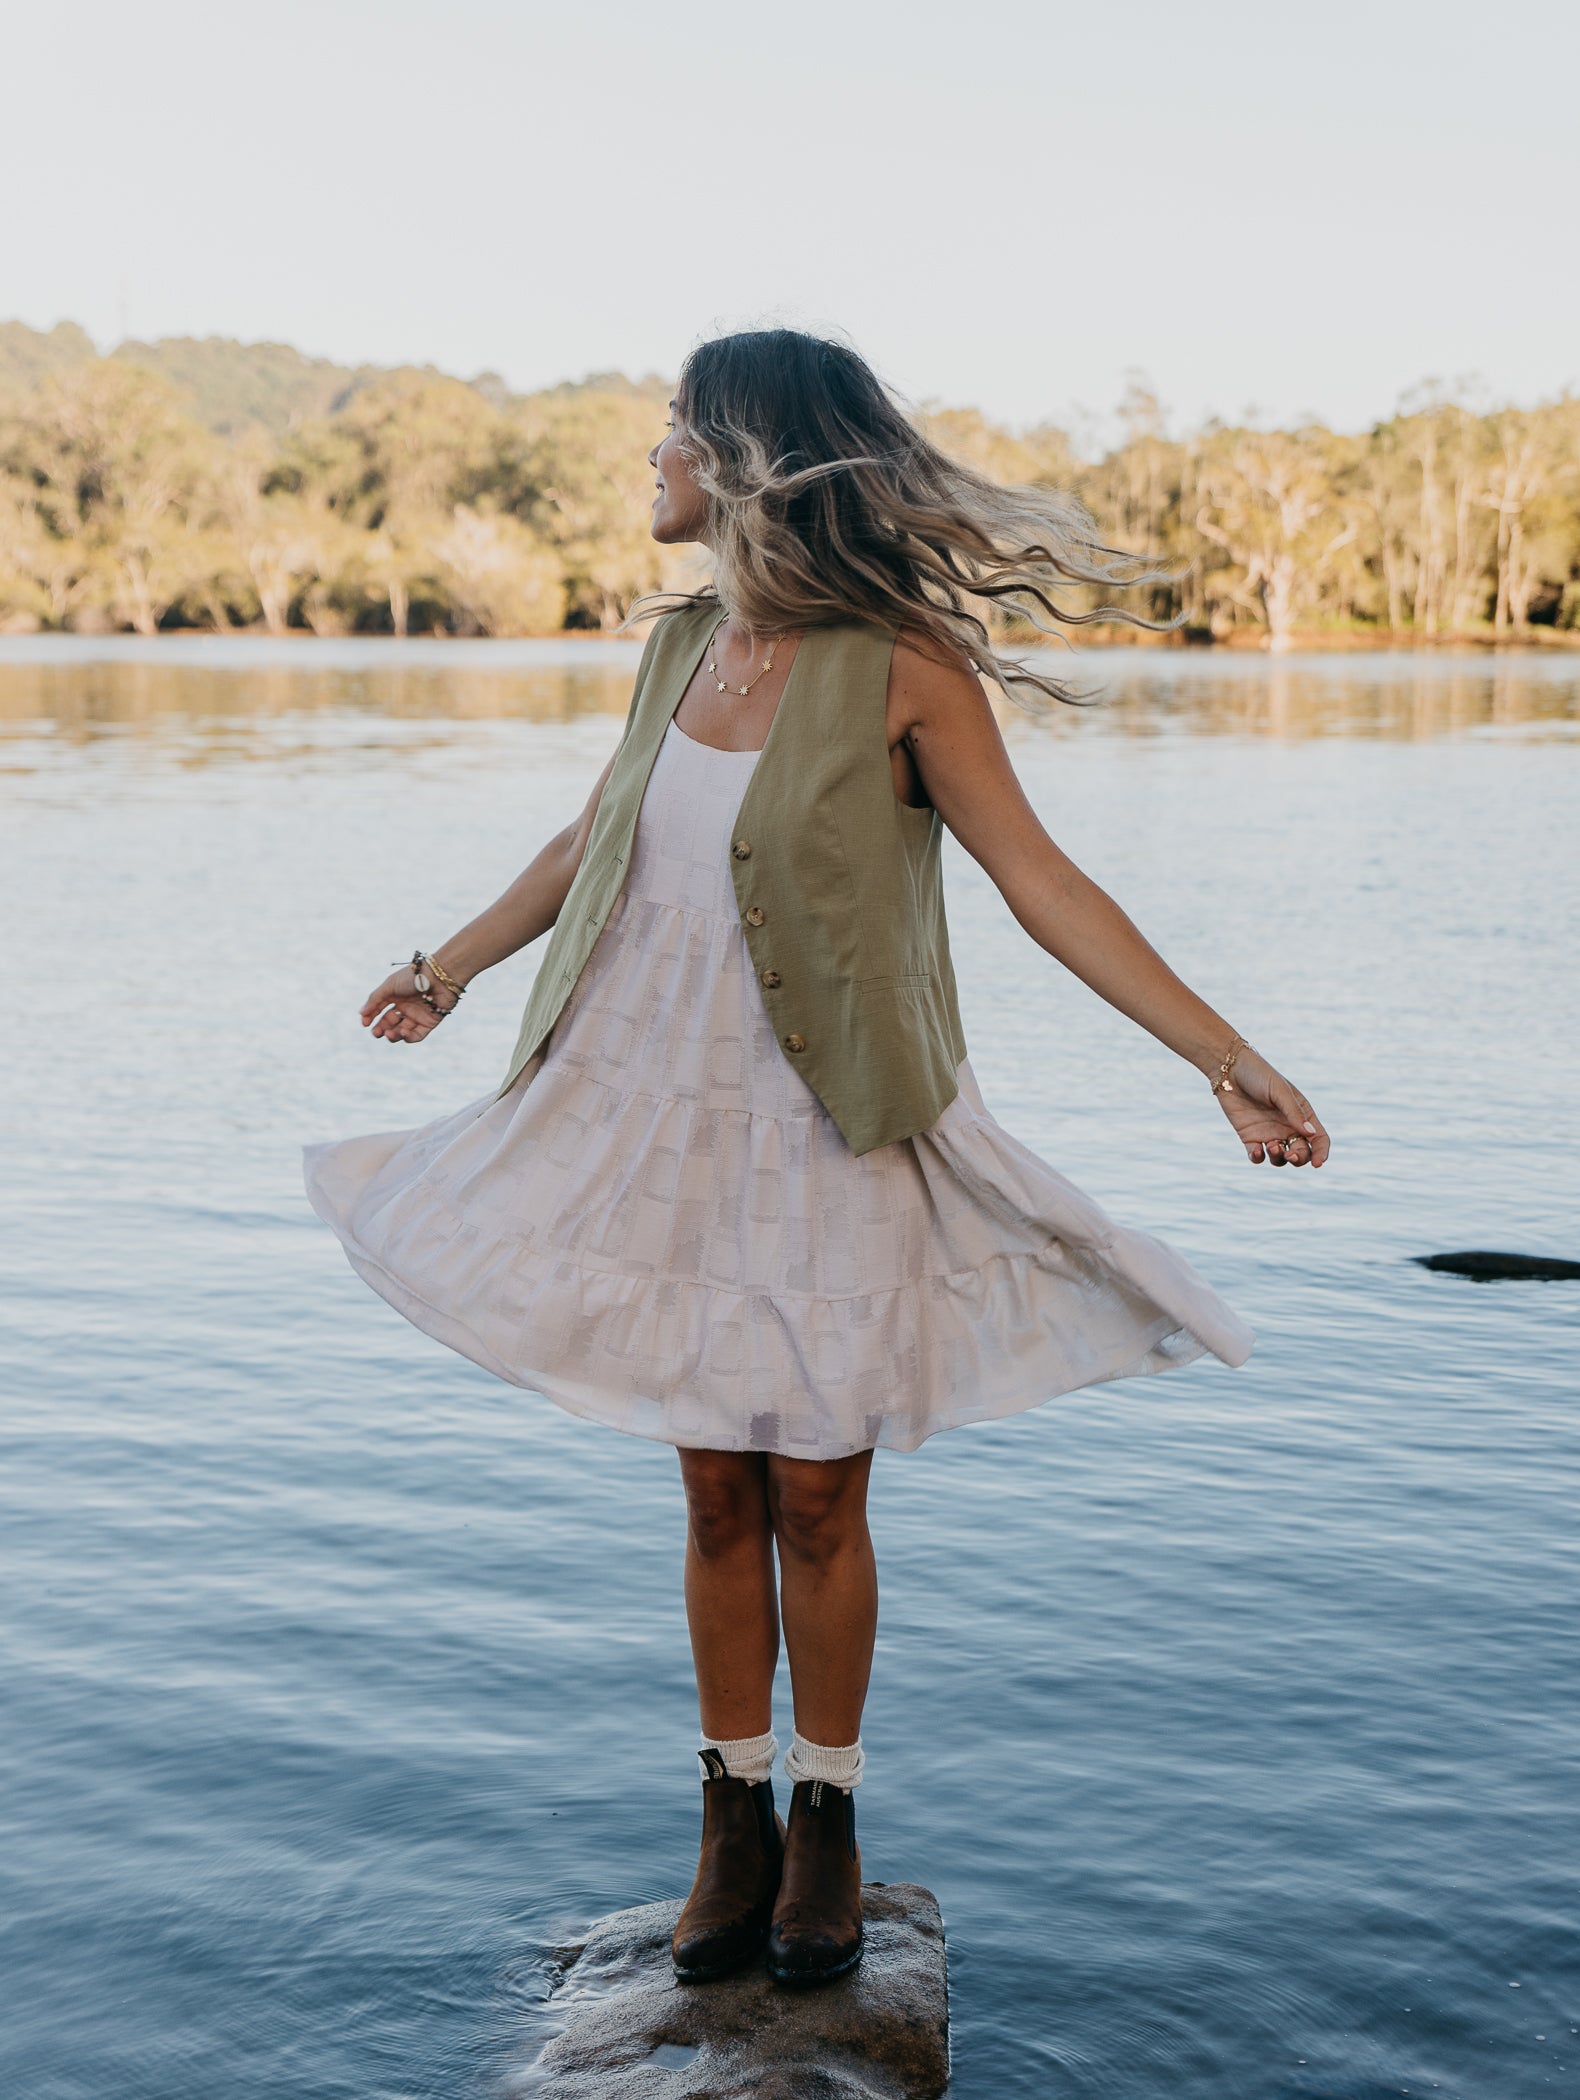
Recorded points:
(751,1757)
(842,1767)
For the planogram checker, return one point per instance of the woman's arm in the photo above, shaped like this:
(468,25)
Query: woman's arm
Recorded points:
(528,908)
(942,713)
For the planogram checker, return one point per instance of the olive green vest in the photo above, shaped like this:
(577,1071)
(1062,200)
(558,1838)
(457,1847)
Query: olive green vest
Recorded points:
(840,885)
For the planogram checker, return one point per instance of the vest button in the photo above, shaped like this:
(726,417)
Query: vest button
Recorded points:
(755,915)
(743,849)
(772,979)
(795,1042)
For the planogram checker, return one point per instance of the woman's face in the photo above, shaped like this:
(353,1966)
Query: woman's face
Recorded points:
(680,509)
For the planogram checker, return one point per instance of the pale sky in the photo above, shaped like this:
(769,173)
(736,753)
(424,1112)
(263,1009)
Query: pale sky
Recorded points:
(1298,210)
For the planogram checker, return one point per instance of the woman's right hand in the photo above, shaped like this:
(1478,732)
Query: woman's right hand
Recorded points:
(396,1010)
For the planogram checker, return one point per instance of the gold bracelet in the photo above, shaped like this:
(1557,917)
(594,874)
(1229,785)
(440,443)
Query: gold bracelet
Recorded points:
(1223,1084)
(420,966)
(444,976)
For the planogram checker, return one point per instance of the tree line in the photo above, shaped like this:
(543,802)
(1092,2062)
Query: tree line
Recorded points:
(420,503)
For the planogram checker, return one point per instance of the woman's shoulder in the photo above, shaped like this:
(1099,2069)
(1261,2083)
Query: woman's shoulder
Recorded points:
(675,629)
(927,673)
(688,612)
(671,617)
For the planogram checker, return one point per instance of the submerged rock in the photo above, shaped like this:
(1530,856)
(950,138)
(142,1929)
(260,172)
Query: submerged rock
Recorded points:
(628,2031)
(1502,1268)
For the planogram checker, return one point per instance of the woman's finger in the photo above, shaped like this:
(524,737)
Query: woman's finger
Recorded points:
(1300,1113)
(381,997)
(1293,1104)
(1317,1143)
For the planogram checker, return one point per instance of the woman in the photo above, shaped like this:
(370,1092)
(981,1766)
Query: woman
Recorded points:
(739,1191)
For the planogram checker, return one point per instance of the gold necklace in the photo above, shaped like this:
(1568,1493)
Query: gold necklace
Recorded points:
(743,690)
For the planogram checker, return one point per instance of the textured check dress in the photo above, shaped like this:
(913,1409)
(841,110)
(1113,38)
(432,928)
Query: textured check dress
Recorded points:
(660,1226)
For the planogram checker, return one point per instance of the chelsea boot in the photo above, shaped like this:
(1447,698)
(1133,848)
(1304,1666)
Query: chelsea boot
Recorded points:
(725,1918)
(816,1930)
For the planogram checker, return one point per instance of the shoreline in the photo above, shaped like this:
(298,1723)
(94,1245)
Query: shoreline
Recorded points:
(586,642)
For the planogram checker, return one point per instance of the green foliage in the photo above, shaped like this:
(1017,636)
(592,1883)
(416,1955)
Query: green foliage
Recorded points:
(29,355)
(112,487)
(585,488)
(224,484)
(237,387)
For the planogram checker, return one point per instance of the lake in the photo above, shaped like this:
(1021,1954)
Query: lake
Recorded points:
(1231,1715)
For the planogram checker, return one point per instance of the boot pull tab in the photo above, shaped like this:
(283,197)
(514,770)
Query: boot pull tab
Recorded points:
(816,1800)
(712,1764)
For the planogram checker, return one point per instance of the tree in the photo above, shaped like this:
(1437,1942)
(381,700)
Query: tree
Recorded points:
(118,469)
(44,575)
(1269,499)
(1388,486)
(1530,487)
(582,483)
(497,574)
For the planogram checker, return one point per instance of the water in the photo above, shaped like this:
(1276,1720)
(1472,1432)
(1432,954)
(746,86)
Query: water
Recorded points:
(1230,1714)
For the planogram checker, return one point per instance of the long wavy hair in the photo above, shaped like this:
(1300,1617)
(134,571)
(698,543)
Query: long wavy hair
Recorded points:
(825,502)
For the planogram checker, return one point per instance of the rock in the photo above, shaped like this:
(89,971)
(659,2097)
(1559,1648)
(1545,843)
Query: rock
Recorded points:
(1502,1268)
(628,2031)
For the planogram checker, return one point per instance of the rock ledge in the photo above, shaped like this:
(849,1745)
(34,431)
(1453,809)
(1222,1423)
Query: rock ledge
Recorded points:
(626,2030)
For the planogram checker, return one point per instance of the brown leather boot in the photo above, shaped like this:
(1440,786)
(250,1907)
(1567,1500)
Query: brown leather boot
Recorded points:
(725,1918)
(816,1930)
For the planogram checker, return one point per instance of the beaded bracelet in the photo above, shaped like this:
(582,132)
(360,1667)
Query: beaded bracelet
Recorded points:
(420,966)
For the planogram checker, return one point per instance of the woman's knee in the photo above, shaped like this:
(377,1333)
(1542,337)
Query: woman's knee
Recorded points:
(726,1503)
(819,1508)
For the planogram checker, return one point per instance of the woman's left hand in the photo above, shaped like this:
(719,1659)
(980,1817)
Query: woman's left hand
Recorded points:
(1272,1118)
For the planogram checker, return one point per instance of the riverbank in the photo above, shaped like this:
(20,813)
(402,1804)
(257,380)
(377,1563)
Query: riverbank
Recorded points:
(1308,641)
(580,640)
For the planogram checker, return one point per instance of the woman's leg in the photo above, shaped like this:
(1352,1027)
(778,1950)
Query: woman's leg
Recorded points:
(828,1589)
(730,1603)
(735,1642)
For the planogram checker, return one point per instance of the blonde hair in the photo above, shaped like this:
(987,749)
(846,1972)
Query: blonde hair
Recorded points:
(825,502)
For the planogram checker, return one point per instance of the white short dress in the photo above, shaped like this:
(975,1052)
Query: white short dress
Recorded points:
(661,1228)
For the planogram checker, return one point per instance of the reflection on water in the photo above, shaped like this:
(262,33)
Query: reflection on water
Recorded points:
(89,686)
(1230,1714)
(1397,694)
(83,689)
